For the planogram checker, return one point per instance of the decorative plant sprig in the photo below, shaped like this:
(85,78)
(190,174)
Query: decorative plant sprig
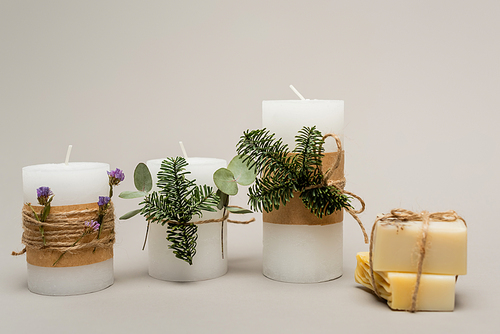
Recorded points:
(90,227)
(44,196)
(115,177)
(282,173)
(143,182)
(178,200)
(227,180)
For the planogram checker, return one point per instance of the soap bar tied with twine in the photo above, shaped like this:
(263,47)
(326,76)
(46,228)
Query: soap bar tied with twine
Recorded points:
(295,213)
(401,215)
(64,232)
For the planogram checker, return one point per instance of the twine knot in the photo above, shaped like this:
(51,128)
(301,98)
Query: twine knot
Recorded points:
(340,184)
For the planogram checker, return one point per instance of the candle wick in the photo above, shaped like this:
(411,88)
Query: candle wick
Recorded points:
(68,153)
(297,92)
(183,150)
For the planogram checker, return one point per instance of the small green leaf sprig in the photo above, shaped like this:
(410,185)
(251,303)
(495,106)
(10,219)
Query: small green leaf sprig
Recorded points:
(178,200)
(143,182)
(227,180)
(281,173)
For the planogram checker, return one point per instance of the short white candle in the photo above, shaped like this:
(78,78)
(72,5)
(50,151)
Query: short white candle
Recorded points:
(303,253)
(73,183)
(208,262)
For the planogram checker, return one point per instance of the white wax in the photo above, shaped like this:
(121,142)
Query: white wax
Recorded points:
(286,118)
(297,253)
(301,253)
(208,262)
(75,183)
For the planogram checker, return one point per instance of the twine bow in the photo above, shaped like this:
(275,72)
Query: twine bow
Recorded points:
(402,215)
(340,184)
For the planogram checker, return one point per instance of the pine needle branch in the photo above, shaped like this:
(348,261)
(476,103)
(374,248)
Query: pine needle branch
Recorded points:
(175,205)
(282,172)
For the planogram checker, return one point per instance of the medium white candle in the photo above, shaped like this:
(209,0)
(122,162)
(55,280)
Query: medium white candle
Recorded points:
(208,262)
(303,253)
(72,183)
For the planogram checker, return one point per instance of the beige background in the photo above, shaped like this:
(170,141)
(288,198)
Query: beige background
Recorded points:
(124,81)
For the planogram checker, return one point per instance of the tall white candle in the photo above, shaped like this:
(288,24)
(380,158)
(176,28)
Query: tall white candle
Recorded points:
(208,262)
(303,253)
(73,183)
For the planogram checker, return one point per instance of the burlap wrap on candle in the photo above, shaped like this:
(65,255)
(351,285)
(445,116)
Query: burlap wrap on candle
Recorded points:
(295,212)
(64,226)
(401,215)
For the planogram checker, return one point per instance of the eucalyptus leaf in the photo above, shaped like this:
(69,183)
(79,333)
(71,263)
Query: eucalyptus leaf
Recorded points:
(223,199)
(132,194)
(243,174)
(130,214)
(142,178)
(225,181)
(234,209)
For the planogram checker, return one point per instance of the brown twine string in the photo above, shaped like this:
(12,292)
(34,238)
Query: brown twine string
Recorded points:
(340,184)
(402,215)
(63,228)
(234,222)
(216,220)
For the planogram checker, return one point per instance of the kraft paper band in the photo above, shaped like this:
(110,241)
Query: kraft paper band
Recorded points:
(295,212)
(64,226)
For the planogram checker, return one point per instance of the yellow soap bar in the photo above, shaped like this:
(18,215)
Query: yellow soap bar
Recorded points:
(396,247)
(436,292)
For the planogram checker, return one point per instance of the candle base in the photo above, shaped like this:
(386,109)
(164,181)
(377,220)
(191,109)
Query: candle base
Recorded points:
(207,263)
(302,253)
(69,281)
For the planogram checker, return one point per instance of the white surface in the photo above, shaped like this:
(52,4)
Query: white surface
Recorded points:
(125,81)
(294,253)
(301,253)
(208,262)
(285,118)
(71,280)
(75,183)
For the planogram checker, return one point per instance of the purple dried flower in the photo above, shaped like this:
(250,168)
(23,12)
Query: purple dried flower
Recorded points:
(92,226)
(115,177)
(43,191)
(103,200)
(43,194)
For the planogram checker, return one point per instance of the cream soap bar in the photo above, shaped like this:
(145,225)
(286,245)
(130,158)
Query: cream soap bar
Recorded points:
(436,292)
(396,247)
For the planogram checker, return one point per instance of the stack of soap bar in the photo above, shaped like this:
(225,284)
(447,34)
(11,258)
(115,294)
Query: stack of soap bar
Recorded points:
(396,247)
(436,292)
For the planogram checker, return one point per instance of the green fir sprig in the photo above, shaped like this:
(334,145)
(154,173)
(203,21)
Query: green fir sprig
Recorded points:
(282,173)
(178,200)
